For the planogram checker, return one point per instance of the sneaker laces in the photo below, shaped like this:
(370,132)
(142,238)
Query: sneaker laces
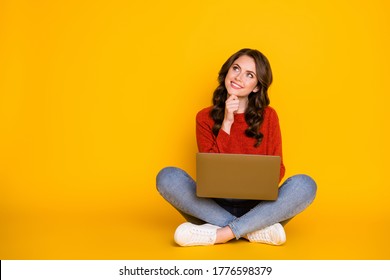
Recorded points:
(262,235)
(202,235)
(189,234)
(271,235)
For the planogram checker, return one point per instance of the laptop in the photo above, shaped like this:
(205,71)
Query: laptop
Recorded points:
(237,176)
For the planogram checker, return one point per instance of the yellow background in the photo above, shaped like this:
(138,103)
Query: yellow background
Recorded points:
(97,96)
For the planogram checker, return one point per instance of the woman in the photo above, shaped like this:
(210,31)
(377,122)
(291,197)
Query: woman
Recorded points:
(240,121)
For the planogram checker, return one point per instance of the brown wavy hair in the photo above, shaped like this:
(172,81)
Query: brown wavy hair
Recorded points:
(257,101)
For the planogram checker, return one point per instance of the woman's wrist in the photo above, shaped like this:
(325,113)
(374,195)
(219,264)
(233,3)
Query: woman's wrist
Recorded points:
(226,126)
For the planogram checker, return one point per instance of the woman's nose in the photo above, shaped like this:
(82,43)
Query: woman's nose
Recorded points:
(238,77)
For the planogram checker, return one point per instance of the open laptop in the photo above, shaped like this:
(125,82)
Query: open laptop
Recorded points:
(237,176)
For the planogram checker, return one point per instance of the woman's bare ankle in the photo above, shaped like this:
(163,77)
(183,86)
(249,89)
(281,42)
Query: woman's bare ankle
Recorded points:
(224,235)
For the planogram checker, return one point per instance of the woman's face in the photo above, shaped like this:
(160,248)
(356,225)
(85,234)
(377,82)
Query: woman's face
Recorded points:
(241,78)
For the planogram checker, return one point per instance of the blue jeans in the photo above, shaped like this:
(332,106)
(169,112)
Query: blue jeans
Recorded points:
(242,216)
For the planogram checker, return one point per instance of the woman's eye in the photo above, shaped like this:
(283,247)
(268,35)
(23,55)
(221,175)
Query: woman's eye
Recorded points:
(250,75)
(235,68)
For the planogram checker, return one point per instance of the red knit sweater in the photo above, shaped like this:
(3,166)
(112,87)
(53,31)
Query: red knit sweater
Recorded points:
(237,142)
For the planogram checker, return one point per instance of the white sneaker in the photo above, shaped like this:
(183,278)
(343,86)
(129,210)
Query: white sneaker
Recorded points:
(273,235)
(188,234)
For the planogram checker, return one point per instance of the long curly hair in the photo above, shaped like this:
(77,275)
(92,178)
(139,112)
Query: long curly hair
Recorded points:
(257,101)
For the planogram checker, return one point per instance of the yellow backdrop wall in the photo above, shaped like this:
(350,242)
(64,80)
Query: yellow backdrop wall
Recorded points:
(97,96)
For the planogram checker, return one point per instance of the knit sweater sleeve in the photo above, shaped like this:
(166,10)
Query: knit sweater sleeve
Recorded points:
(206,140)
(275,139)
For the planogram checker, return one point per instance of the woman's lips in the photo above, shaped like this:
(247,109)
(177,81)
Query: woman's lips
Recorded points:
(235,86)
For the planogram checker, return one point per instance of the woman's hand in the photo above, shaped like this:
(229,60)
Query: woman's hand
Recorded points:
(231,108)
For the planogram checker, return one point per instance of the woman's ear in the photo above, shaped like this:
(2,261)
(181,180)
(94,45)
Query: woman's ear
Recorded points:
(256,89)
